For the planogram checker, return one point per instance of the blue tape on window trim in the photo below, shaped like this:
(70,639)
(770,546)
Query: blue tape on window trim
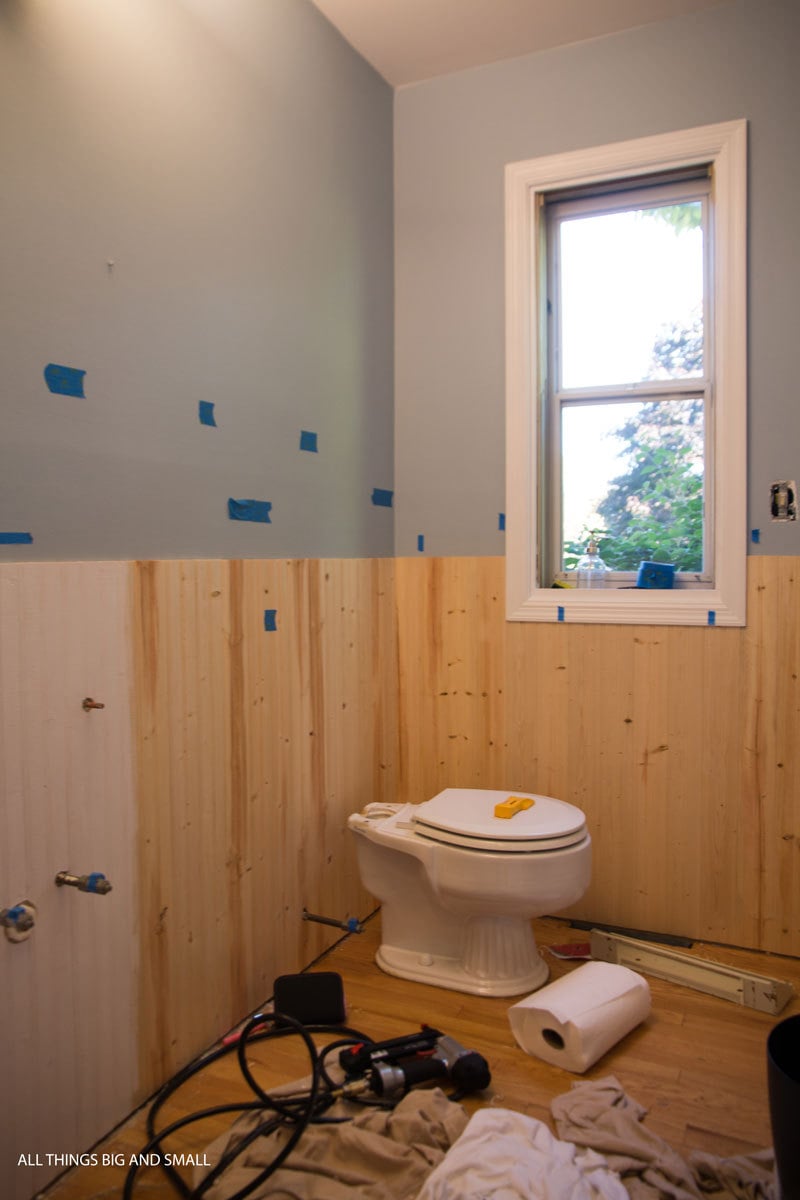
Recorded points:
(64,381)
(501,522)
(560,612)
(420,541)
(712,617)
(755,535)
(15,539)
(382,497)
(270,619)
(308,441)
(205,411)
(250,510)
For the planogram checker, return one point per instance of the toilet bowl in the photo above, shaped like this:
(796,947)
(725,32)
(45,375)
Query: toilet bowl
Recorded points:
(459,885)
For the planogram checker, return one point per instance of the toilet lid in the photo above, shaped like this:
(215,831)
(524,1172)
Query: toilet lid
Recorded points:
(466,817)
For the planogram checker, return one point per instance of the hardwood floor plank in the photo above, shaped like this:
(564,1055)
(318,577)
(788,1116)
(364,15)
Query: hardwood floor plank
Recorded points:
(698,1064)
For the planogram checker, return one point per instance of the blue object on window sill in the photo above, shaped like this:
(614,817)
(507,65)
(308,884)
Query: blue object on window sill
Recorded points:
(655,575)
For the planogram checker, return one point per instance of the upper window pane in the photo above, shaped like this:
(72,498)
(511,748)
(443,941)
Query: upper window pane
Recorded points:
(631,296)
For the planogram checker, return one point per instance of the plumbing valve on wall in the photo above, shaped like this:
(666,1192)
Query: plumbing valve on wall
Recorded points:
(84,883)
(351,925)
(18,920)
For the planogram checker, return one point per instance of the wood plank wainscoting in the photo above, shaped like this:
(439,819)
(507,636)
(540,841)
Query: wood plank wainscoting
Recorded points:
(213,791)
(68,1047)
(680,744)
(254,745)
(246,739)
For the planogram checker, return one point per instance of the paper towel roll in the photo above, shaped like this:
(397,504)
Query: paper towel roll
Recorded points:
(573,1021)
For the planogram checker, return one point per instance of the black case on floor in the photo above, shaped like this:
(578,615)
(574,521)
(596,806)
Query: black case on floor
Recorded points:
(313,999)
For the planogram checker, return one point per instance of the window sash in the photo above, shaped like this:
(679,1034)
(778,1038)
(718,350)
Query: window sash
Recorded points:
(692,187)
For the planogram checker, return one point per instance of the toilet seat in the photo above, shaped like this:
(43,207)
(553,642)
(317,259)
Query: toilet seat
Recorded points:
(466,817)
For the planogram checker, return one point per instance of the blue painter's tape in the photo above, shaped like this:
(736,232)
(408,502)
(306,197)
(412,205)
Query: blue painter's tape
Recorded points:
(501,522)
(205,411)
(64,381)
(308,441)
(270,619)
(420,541)
(382,497)
(560,612)
(755,535)
(15,539)
(712,617)
(250,510)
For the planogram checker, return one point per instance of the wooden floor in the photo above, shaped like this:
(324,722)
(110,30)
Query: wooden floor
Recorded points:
(698,1064)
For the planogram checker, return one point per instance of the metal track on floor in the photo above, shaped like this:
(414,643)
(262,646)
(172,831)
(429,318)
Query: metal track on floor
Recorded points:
(729,983)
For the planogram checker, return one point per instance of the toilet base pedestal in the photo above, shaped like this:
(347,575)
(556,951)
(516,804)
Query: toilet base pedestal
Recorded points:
(499,958)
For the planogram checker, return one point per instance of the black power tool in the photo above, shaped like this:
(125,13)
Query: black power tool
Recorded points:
(394,1066)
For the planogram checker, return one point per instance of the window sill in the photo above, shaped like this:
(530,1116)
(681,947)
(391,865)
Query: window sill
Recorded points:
(634,606)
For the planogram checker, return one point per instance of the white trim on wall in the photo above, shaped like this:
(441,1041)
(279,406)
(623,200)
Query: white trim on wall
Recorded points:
(724,146)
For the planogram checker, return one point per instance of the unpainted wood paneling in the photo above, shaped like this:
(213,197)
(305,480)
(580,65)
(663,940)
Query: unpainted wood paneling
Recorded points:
(681,745)
(451,671)
(254,745)
(381,680)
(771,820)
(67,1039)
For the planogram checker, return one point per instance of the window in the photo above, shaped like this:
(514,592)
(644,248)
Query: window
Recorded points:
(629,381)
(626,388)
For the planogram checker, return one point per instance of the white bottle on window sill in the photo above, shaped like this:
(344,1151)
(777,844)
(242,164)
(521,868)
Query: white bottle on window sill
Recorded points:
(591,571)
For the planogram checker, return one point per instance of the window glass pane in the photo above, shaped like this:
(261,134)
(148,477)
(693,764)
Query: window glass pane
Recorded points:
(634,471)
(631,288)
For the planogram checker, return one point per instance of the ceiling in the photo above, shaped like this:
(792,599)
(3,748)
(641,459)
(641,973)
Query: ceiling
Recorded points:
(410,40)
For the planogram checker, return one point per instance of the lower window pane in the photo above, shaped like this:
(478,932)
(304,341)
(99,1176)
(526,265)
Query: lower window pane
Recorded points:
(634,473)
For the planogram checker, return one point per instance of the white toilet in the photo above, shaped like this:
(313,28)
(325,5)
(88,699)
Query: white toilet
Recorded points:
(458,884)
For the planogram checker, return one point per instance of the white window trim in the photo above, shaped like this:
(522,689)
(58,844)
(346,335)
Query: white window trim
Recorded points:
(725,147)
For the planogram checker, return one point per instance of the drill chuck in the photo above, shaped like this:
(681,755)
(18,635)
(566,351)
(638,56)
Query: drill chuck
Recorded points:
(467,1070)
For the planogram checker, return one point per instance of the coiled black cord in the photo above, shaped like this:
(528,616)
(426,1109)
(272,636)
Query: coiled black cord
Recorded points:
(299,1110)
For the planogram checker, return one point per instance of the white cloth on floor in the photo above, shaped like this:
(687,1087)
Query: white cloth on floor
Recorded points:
(598,1114)
(505,1155)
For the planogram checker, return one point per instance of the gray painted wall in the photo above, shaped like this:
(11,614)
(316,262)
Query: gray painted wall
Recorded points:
(453,136)
(233,161)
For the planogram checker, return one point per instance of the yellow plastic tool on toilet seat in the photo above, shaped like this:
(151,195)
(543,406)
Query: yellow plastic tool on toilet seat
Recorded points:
(513,805)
